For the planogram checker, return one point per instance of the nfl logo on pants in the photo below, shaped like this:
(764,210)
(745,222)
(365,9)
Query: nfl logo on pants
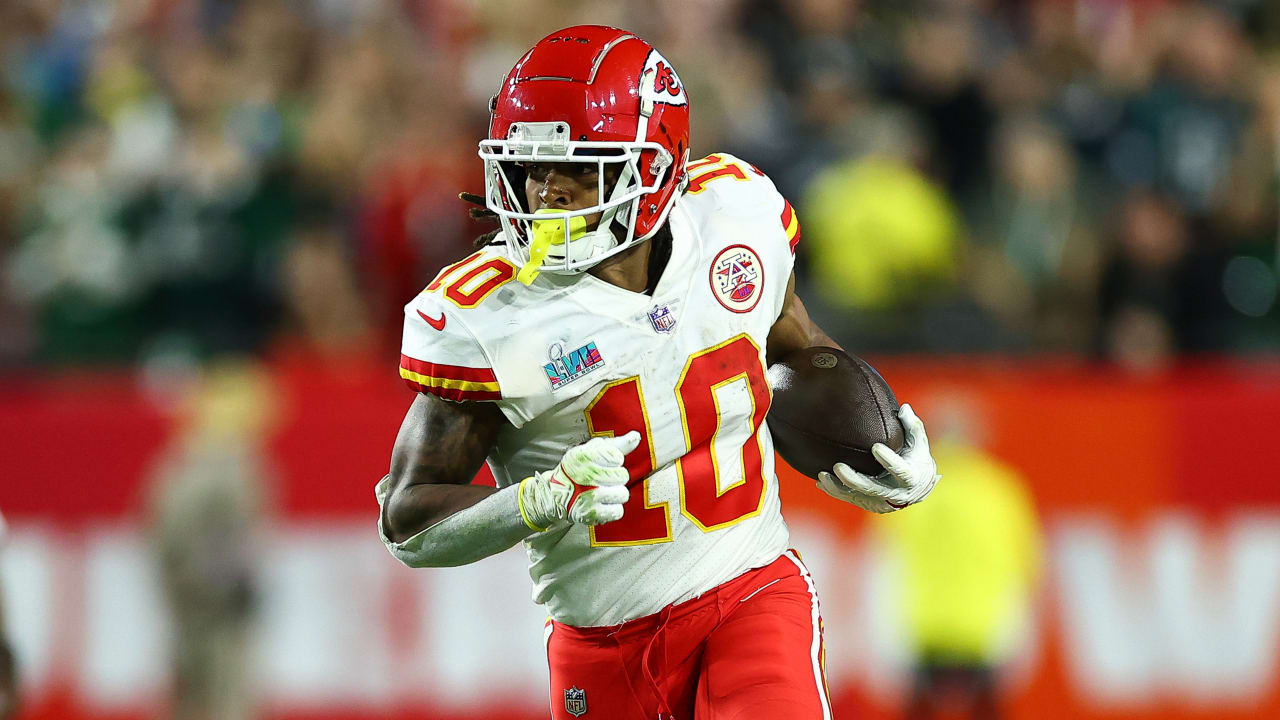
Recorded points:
(575,701)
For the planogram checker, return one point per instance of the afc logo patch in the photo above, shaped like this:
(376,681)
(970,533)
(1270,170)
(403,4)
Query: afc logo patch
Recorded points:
(575,701)
(737,278)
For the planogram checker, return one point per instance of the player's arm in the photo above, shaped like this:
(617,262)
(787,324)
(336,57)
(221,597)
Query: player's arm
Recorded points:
(794,330)
(431,516)
(438,451)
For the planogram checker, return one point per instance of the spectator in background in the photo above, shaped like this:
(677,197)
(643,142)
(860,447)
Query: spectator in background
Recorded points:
(940,79)
(328,314)
(19,160)
(8,663)
(824,85)
(1183,129)
(1159,293)
(1034,256)
(1140,301)
(730,78)
(158,158)
(882,237)
(965,569)
(206,511)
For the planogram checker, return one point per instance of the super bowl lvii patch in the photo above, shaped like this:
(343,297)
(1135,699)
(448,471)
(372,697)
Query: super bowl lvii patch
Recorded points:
(564,367)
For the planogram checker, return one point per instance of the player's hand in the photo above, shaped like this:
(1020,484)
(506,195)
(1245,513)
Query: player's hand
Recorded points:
(589,485)
(908,478)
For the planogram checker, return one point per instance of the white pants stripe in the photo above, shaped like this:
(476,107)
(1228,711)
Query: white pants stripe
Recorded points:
(546,645)
(815,650)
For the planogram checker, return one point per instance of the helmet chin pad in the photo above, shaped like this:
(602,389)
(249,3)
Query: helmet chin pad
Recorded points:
(551,239)
(585,247)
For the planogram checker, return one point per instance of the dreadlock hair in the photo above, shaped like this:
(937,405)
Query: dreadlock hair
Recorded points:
(481,212)
(659,254)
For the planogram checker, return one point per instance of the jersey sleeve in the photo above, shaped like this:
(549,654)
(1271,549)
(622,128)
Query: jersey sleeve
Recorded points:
(439,355)
(743,189)
(741,195)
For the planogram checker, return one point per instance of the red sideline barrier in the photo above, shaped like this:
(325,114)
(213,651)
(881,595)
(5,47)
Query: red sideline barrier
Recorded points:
(1199,441)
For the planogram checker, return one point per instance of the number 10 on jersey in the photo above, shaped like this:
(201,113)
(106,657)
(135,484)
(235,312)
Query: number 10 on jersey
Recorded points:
(704,498)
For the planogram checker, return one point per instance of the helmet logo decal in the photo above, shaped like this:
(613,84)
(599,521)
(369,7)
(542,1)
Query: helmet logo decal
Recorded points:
(737,278)
(666,87)
(666,80)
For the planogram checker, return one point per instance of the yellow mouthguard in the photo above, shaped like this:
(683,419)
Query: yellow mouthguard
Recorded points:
(545,234)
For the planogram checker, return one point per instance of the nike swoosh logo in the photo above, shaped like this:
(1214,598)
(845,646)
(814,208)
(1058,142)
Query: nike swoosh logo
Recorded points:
(437,323)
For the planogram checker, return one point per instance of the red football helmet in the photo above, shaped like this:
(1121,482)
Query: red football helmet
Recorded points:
(588,94)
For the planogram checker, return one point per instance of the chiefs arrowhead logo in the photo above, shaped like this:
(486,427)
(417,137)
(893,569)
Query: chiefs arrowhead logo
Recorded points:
(667,87)
(437,323)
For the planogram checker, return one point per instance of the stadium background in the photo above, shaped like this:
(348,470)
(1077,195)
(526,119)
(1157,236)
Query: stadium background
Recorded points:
(1052,224)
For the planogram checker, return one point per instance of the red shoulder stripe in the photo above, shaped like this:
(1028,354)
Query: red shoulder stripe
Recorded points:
(455,394)
(790,225)
(448,372)
(451,382)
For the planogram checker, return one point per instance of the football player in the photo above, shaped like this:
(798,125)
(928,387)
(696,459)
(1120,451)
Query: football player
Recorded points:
(606,353)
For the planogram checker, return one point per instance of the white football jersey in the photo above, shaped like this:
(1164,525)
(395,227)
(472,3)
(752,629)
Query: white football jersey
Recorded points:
(569,358)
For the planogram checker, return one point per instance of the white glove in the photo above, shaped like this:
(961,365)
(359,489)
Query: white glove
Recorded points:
(907,479)
(589,485)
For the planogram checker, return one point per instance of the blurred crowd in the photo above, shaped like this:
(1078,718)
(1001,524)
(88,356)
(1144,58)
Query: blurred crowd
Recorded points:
(188,178)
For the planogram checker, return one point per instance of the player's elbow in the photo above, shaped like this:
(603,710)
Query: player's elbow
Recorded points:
(419,559)
(395,521)
(414,541)
(414,558)
(428,552)
(408,510)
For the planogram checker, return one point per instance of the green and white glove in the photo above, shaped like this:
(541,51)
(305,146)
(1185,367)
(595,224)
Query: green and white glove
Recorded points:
(909,476)
(589,486)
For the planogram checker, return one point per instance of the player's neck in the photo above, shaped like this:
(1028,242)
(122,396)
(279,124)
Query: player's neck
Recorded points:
(628,269)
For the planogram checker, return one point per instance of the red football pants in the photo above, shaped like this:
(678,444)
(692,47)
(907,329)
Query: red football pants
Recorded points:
(750,648)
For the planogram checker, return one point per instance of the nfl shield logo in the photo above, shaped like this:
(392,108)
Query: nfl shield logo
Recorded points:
(662,319)
(575,701)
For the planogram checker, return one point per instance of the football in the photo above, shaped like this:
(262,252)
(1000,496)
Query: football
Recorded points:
(831,407)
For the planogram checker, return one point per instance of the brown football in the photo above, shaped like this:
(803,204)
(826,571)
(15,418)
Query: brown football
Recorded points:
(831,407)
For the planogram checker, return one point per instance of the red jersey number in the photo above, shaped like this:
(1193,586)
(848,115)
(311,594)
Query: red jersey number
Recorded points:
(706,499)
